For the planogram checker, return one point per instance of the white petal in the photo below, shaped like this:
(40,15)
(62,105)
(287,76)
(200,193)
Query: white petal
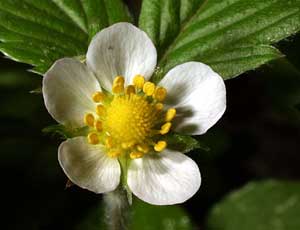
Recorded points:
(88,166)
(164,179)
(67,89)
(121,49)
(199,95)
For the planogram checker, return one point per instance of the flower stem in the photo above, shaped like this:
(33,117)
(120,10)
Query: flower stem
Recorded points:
(116,209)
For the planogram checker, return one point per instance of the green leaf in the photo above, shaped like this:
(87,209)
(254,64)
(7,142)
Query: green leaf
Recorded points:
(40,32)
(232,36)
(230,63)
(184,143)
(264,205)
(149,217)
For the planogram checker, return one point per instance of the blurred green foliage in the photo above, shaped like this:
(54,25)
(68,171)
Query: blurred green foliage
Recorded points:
(142,216)
(264,205)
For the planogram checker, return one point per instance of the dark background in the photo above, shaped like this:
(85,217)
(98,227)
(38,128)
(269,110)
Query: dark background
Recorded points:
(258,138)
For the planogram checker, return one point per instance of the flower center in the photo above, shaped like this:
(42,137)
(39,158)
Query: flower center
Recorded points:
(131,120)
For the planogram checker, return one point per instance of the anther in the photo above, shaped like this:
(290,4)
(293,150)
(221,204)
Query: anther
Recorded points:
(98,97)
(89,119)
(130,89)
(109,142)
(159,106)
(100,110)
(117,89)
(139,81)
(165,128)
(119,80)
(160,146)
(171,113)
(93,138)
(149,88)
(118,85)
(113,153)
(127,145)
(98,126)
(134,155)
(143,148)
(160,93)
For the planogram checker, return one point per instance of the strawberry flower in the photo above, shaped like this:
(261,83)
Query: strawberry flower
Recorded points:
(128,117)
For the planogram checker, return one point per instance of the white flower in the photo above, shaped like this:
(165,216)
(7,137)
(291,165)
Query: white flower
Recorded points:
(126,116)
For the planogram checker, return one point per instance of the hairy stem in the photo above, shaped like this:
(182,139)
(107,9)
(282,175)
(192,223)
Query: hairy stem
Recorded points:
(116,209)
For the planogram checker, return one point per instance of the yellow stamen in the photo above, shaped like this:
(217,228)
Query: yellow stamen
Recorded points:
(113,153)
(127,145)
(144,148)
(160,93)
(89,119)
(98,126)
(139,81)
(160,146)
(118,85)
(149,88)
(109,142)
(134,155)
(98,97)
(159,106)
(118,89)
(171,113)
(130,89)
(93,138)
(127,123)
(165,128)
(119,80)
(100,110)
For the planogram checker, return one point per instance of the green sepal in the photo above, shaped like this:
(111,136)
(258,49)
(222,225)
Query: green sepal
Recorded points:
(63,132)
(184,143)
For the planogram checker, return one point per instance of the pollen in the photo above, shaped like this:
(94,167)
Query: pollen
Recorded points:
(160,146)
(119,80)
(149,88)
(131,120)
(113,153)
(159,106)
(98,96)
(118,85)
(139,81)
(93,138)
(109,142)
(100,110)
(89,119)
(98,126)
(171,113)
(129,90)
(144,148)
(165,128)
(160,93)
(135,155)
